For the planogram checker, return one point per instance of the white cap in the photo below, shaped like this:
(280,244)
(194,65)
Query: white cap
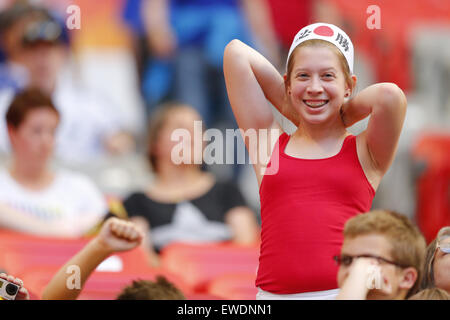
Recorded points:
(327,32)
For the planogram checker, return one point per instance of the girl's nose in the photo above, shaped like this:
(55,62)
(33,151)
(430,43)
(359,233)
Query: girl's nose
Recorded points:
(315,86)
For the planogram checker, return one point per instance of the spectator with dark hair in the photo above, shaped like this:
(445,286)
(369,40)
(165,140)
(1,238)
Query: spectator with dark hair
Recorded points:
(437,262)
(115,235)
(37,48)
(382,257)
(161,289)
(35,198)
(36,45)
(185,203)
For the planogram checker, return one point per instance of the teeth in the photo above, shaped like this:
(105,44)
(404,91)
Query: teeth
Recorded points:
(316,104)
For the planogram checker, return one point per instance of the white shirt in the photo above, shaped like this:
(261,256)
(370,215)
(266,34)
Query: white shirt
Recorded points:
(86,121)
(69,207)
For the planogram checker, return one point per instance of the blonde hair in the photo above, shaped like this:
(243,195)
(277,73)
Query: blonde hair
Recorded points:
(431,294)
(428,274)
(408,245)
(428,277)
(321,43)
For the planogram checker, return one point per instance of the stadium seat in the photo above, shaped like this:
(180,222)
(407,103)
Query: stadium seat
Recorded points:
(234,287)
(20,252)
(201,296)
(100,285)
(36,260)
(198,264)
(432,151)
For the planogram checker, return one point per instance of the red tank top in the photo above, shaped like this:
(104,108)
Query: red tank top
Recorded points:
(304,207)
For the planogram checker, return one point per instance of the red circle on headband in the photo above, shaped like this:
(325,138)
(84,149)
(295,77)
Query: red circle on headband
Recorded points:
(324,31)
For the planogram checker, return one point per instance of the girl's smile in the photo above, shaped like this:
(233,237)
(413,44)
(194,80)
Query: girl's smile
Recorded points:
(315,103)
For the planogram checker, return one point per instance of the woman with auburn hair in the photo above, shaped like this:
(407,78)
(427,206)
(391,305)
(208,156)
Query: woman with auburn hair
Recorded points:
(34,197)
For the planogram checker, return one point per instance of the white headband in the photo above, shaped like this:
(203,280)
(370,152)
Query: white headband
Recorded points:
(327,32)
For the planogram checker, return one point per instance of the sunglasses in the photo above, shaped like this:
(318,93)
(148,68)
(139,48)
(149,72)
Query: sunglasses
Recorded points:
(347,260)
(444,247)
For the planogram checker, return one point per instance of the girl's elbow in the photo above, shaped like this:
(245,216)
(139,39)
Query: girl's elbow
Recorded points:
(232,47)
(392,97)
(234,42)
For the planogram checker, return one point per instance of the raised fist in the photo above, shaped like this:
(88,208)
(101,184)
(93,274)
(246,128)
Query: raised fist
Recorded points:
(120,235)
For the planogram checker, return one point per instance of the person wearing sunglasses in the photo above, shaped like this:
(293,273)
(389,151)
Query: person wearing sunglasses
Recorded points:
(382,257)
(437,262)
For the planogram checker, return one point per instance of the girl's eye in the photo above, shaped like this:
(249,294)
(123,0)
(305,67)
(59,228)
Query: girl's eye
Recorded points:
(328,75)
(302,75)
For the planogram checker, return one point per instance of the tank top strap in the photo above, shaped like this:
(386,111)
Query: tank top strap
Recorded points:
(282,141)
(349,144)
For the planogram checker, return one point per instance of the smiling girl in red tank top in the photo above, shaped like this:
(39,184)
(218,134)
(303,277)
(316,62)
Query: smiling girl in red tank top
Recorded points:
(321,175)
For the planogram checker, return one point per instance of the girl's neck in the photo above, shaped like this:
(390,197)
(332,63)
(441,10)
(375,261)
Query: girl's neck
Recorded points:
(320,132)
(35,177)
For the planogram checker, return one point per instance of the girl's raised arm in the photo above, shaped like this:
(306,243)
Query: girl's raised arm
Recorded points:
(251,79)
(386,105)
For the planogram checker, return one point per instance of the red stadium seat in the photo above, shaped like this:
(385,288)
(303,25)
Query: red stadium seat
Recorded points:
(198,264)
(201,296)
(433,184)
(100,285)
(20,252)
(234,287)
(36,260)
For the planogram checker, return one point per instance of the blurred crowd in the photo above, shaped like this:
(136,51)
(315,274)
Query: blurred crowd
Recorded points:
(86,114)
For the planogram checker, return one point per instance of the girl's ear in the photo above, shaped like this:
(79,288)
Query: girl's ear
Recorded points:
(349,91)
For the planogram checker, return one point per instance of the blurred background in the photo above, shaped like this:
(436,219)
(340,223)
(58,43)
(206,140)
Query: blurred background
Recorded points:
(130,56)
